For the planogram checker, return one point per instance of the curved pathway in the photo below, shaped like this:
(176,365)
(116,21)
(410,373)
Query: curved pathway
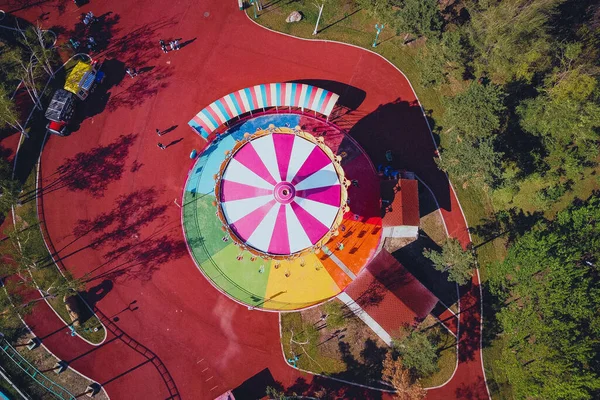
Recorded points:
(109,197)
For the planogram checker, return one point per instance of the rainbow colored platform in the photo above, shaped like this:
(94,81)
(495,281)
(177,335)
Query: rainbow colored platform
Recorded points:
(265,212)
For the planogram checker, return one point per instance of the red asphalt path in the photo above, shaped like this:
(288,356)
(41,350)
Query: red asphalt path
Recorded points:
(116,220)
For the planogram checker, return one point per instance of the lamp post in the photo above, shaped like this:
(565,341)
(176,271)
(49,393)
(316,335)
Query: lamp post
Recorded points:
(253,2)
(319,17)
(379,29)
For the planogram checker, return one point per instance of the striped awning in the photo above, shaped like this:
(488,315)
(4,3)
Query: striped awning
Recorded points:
(262,96)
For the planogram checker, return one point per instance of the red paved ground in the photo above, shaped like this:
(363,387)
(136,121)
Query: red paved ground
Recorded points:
(109,209)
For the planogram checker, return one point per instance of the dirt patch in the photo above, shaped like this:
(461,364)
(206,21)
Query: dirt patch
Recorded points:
(393,244)
(433,225)
(332,341)
(45,363)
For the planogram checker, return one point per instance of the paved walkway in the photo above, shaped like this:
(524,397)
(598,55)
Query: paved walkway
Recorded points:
(109,206)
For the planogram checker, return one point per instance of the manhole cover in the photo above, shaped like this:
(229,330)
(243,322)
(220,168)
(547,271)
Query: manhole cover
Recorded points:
(206,14)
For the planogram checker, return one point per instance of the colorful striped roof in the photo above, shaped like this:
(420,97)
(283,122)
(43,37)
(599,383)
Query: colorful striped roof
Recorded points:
(262,96)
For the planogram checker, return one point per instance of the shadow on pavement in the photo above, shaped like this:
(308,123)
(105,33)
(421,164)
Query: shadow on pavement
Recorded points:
(400,127)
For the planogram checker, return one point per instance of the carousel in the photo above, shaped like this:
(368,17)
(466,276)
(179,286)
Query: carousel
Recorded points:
(281,193)
(266,212)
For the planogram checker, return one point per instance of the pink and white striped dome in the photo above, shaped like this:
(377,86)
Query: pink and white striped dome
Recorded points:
(281,192)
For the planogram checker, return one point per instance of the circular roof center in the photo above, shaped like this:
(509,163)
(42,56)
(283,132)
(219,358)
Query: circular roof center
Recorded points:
(284,192)
(280,193)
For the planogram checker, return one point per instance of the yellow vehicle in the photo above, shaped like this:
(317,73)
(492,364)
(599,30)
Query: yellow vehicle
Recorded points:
(82,79)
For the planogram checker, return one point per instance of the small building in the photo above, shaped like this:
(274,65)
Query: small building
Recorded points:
(390,294)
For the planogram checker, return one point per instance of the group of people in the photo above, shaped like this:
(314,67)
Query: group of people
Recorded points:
(173,44)
(90,42)
(89,18)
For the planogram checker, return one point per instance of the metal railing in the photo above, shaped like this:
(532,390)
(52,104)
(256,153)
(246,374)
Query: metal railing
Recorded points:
(41,379)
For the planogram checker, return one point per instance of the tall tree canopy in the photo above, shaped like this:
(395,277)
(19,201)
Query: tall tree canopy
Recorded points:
(551,282)
(511,38)
(470,161)
(476,112)
(418,353)
(458,263)
(566,113)
(419,17)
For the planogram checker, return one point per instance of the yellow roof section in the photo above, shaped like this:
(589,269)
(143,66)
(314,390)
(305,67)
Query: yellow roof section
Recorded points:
(75,76)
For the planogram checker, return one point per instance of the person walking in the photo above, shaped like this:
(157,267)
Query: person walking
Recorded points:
(172,44)
(131,72)
(176,44)
(158,132)
(163,46)
(161,146)
(91,43)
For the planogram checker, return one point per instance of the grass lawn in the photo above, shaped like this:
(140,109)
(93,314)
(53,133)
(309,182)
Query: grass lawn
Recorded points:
(49,274)
(312,360)
(446,347)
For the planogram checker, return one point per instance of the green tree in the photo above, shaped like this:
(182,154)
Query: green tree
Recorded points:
(566,116)
(470,162)
(453,259)
(382,10)
(418,17)
(39,45)
(477,111)
(275,394)
(9,116)
(9,187)
(418,353)
(510,38)
(441,59)
(550,321)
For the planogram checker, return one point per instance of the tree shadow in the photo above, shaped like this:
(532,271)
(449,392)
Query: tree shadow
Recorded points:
(369,368)
(472,391)
(470,324)
(102,30)
(511,224)
(400,127)
(571,15)
(346,16)
(328,389)
(30,149)
(407,299)
(136,48)
(492,304)
(91,171)
(117,232)
(412,258)
(142,88)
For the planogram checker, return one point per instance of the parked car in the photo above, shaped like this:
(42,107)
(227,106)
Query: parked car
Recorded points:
(59,112)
